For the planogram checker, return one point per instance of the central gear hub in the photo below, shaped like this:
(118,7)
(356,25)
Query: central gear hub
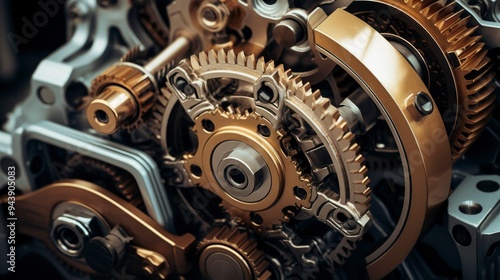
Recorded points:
(241,171)
(241,160)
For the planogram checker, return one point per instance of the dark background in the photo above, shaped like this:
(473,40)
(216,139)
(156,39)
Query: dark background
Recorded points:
(49,38)
(15,88)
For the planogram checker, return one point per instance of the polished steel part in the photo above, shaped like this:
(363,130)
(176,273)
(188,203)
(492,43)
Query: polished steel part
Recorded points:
(474,223)
(137,163)
(391,82)
(35,209)
(94,45)
(73,226)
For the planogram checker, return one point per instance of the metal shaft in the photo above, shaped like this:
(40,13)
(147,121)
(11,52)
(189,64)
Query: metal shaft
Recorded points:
(175,51)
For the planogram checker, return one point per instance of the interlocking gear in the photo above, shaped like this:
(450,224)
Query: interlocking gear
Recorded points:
(264,97)
(461,73)
(234,251)
(132,87)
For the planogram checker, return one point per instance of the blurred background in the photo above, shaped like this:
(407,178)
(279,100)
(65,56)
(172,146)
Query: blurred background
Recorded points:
(17,63)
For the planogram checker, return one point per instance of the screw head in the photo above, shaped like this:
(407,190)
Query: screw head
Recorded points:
(423,103)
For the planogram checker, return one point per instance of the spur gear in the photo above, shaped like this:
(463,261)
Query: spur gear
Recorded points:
(265,97)
(122,97)
(455,64)
(227,253)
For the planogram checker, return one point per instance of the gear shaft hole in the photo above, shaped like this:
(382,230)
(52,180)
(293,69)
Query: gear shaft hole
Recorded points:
(101,116)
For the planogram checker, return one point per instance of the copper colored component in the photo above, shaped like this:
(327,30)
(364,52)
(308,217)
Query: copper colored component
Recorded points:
(233,125)
(34,212)
(122,96)
(227,253)
(284,176)
(392,83)
(464,56)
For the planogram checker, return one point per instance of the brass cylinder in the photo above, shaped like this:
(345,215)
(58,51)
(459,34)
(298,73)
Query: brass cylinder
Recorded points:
(113,107)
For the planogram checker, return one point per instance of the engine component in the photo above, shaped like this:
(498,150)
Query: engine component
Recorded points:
(234,252)
(275,93)
(105,175)
(227,139)
(145,232)
(142,167)
(124,93)
(73,226)
(449,56)
(473,224)
(427,190)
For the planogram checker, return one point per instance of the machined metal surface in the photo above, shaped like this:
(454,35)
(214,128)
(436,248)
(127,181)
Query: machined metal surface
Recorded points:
(137,163)
(473,209)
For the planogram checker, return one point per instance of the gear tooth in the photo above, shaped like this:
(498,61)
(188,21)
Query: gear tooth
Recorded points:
(261,65)
(449,22)
(231,57)
(195,62)
(203,58)
(232,240)
(269,65)
(288,74)
(431,9)
(251,62)
(443,13)
(131,54)
(212,57)
(221,56)
(241,59)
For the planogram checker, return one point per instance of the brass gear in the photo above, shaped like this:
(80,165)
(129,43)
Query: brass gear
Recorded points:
(128,80)
(463,53)
(280,203)
(235,249)
(344,159)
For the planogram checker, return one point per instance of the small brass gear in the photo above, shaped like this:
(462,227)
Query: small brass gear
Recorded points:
(227,253)
(282,199)
(134,84)
(460,53)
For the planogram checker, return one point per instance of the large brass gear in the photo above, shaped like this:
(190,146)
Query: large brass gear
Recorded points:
(279,203)
(460,53)
(335,141)
(231,247)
